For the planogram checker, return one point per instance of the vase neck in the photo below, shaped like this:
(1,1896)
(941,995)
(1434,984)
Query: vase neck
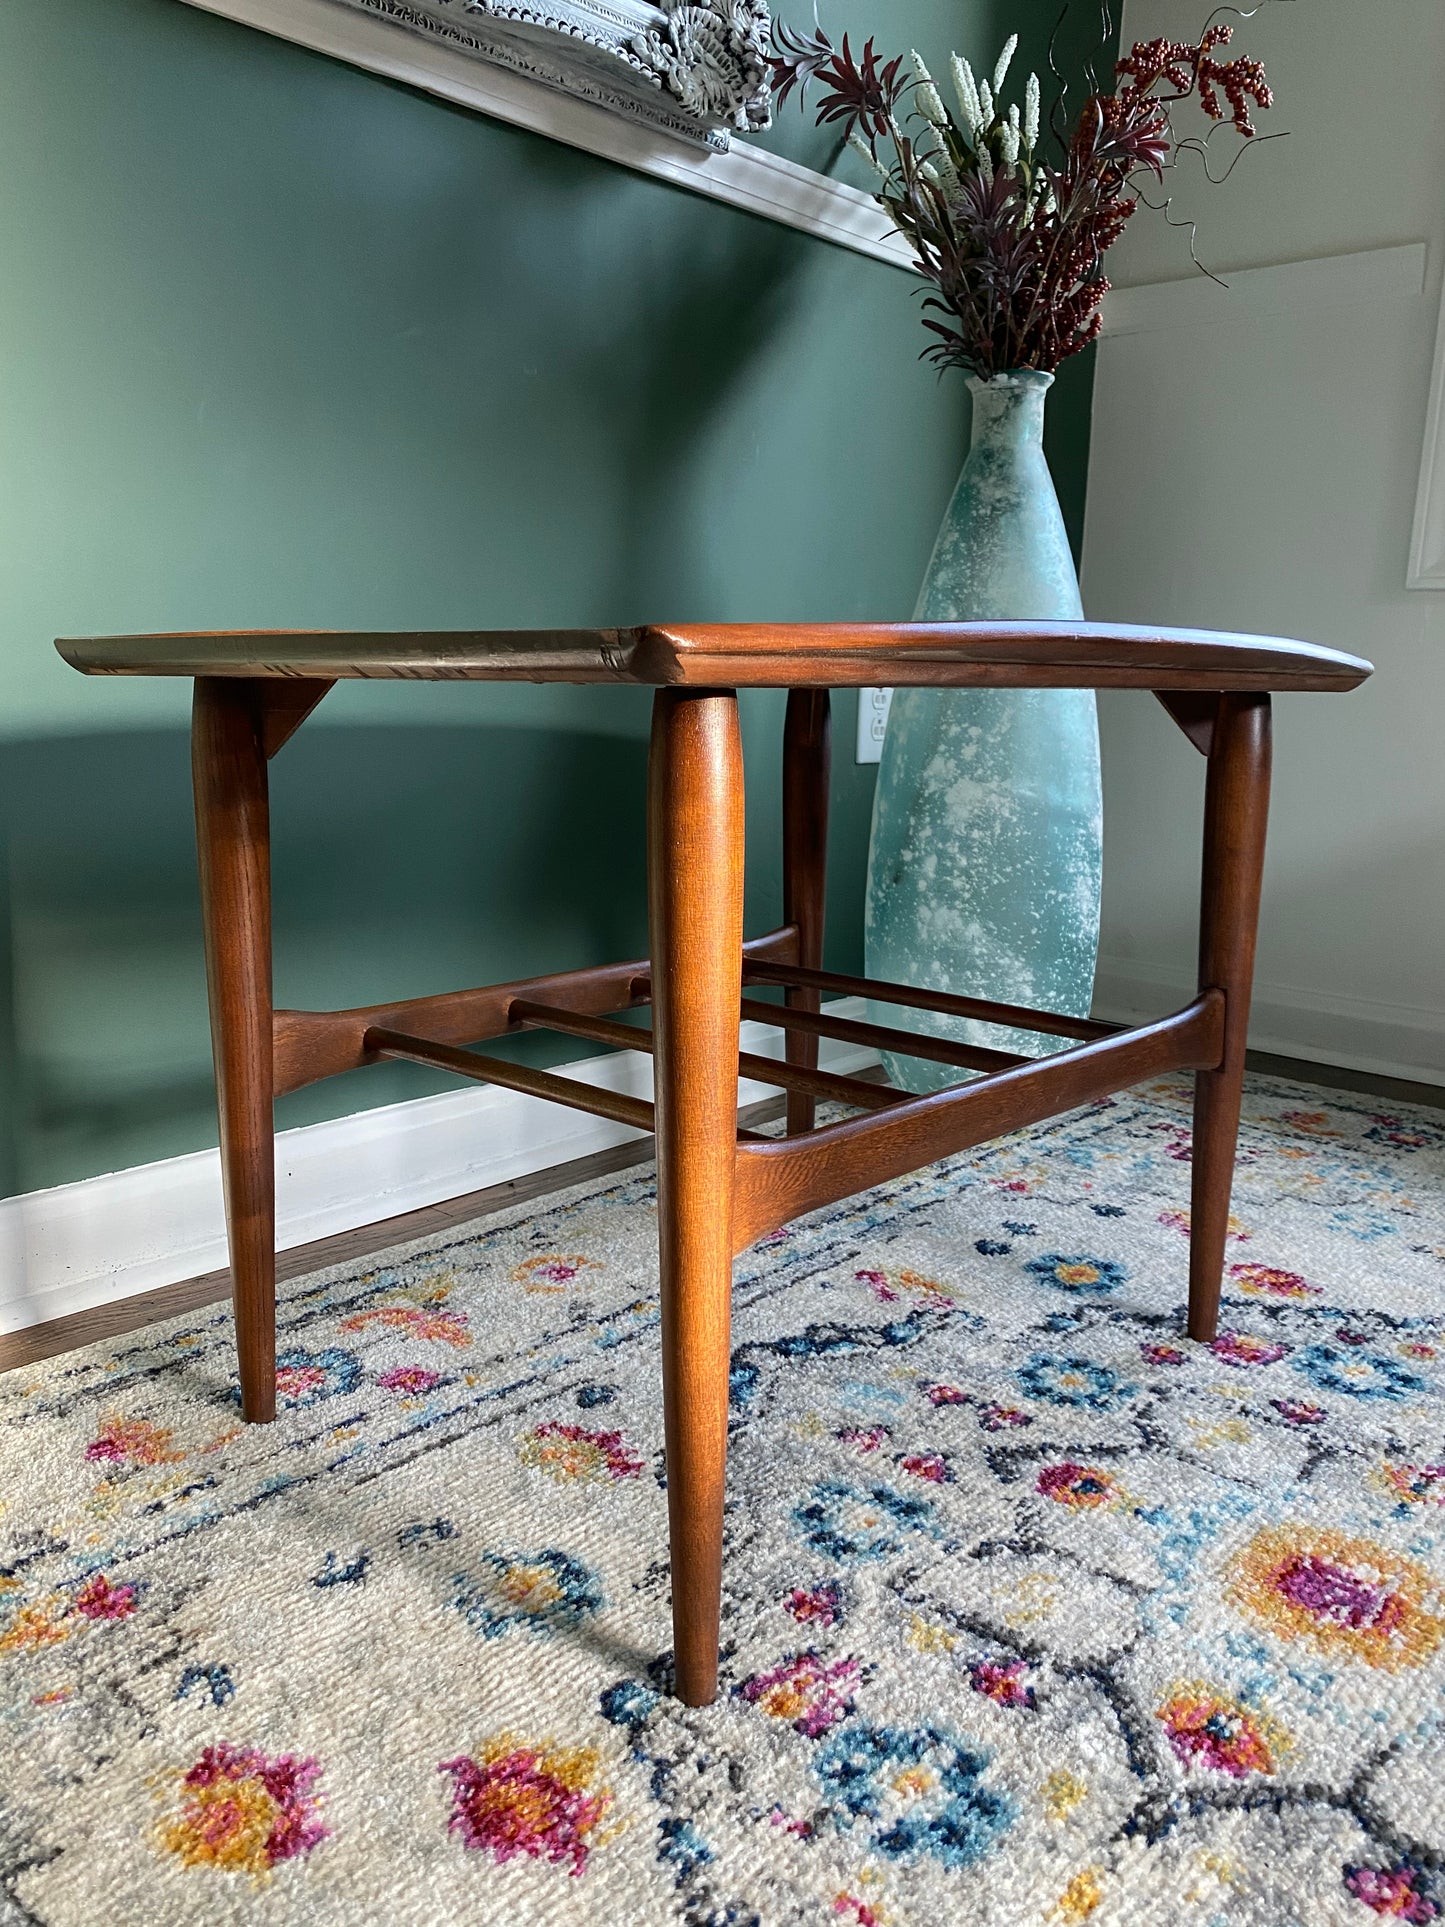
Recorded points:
(1008,411)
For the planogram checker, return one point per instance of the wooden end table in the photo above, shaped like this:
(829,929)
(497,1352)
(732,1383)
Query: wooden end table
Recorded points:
(720,1188)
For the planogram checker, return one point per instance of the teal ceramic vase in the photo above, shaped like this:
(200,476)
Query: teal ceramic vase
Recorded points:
(985,864)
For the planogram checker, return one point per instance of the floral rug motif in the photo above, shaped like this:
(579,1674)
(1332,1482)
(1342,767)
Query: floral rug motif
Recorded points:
(1037,1613)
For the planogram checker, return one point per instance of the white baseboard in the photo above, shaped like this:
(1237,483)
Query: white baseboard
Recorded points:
(1389,1040)
(88,1244)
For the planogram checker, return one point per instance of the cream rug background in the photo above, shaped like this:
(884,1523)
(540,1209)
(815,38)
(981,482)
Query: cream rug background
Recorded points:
(1036,1611)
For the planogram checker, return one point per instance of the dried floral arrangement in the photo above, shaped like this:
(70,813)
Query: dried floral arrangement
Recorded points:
(1008,219)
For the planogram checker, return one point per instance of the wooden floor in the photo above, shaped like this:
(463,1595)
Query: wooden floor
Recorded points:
(1399,1090)
(171,1301)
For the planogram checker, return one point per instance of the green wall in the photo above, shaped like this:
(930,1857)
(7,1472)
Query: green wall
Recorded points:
(283,344)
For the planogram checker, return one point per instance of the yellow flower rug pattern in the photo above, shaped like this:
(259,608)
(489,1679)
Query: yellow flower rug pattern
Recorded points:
(1036,1612)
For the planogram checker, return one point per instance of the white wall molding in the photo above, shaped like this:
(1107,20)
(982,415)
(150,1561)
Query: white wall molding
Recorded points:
(1196,301)
(1361,1034)
(108,1238)
(1427,542)
(743,177)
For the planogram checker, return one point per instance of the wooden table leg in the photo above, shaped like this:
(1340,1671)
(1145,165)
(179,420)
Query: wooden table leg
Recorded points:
(807,759)
(695,869)
(1236,809)
(228,761)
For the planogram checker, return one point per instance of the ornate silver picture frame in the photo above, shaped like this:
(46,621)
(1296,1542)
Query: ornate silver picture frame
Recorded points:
(664,108)
(693,68)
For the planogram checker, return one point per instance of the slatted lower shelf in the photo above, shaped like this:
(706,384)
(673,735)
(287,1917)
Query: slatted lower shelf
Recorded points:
(891,1131)
(780,1179)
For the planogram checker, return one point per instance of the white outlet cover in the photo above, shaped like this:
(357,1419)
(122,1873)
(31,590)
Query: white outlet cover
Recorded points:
(873,707)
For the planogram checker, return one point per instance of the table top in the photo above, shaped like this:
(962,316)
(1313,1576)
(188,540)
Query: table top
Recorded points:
(1040,655)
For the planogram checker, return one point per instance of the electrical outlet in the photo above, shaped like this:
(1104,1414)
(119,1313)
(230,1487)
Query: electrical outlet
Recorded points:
(873,707)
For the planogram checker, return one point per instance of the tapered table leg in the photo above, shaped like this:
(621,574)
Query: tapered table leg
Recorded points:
(1235,811)
(807,758)
(695,868)
(233,842)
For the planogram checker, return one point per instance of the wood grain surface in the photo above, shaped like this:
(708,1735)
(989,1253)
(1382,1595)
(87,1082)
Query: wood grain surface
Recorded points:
(695,881)
(233,841)
(1236,809)
(1073,655)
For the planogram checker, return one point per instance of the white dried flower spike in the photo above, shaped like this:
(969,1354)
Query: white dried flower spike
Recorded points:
(926,96)
(1031,111)
(985,165)
(1039,192)
(1009,48)
(985,101)
(969,106)
(942,164)
(1009,142)
(860,146)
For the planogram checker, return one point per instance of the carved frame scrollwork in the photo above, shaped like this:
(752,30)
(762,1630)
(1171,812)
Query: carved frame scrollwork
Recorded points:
(692,68)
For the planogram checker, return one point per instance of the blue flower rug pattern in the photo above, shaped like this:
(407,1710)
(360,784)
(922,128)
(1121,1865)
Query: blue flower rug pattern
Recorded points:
(1036,1611)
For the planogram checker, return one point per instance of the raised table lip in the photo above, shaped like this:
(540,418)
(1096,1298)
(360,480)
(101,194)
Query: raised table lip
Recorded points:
(1037,654)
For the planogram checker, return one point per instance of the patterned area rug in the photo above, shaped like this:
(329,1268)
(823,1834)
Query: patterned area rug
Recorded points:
(1037,1612)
